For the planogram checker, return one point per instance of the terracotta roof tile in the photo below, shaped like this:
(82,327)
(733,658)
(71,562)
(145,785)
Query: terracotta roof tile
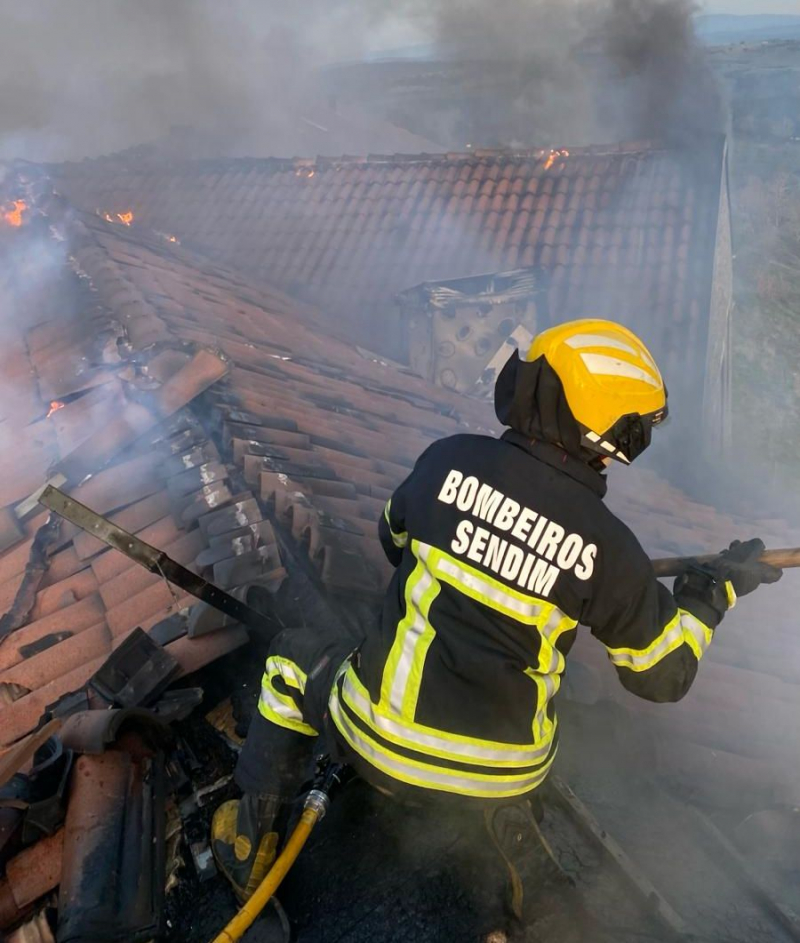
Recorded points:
(63,594)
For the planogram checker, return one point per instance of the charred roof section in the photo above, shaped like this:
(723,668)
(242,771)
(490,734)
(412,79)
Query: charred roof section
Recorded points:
(627,232)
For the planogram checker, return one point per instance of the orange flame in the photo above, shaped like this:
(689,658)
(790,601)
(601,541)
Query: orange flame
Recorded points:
(553,157)
(12,212)
(125,218)
(54,407)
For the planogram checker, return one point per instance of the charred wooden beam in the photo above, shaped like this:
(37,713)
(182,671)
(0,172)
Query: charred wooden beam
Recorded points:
(35,569)
(152,559)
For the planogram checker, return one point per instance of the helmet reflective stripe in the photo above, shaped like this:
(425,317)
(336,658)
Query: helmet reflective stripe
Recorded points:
(611,384)
(601,365)
(581,341)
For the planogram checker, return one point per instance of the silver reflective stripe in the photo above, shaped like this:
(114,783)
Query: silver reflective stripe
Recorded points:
(581,341)
(683,627)
(643,660)
(412,636)
(274,703)
(550,634)
(695,628)
(556,665)
(602,365)
(290,673)
(414,739)
(553,626)
(528,610)
(426,776)
(551,685)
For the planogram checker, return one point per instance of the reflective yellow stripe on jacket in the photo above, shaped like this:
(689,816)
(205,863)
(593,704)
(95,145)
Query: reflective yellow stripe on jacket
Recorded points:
(683,629)
(384,733)
(278,707)
(399,538)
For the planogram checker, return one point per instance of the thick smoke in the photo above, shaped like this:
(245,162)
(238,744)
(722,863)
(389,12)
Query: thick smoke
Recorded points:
(671,90)
(87,77)
(588,71)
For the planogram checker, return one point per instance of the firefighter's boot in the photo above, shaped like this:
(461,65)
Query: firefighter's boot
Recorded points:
(543,899)
(244,840)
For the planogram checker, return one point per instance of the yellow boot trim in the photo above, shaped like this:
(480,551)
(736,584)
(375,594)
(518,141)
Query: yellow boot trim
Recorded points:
(223,824)
(242,846)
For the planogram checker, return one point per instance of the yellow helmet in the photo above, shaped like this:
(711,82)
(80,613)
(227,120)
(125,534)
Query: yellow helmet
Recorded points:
(612,386)
(590,387)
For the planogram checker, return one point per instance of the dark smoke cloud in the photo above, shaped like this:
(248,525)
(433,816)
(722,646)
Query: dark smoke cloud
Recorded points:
(668,87)
(87,77)
(586,70)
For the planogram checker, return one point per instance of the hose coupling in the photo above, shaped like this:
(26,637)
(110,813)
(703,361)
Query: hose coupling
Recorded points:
(318,802)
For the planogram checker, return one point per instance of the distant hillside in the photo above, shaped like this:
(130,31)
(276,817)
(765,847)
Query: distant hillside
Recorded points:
(721,30)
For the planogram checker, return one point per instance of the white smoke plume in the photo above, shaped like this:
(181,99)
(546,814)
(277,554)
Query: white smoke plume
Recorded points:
(88,77)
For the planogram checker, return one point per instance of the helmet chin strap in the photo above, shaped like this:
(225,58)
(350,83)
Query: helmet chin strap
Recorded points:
(599,463)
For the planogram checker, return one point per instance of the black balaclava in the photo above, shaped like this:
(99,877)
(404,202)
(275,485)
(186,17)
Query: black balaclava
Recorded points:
(529,397)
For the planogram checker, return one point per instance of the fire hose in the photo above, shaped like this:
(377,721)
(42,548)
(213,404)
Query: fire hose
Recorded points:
(314,809)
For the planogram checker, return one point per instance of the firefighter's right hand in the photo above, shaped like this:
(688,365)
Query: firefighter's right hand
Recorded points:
(741,566)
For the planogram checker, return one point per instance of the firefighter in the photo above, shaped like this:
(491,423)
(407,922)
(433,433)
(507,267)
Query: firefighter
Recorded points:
(502,547)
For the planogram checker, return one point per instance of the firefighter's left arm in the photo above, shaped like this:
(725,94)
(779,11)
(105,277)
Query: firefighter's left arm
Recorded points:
(654,641)
(392,525)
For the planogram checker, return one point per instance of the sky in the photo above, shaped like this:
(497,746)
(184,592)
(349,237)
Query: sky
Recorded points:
(751,6)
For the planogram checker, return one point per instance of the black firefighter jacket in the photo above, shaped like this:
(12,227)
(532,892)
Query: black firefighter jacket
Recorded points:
(502,548)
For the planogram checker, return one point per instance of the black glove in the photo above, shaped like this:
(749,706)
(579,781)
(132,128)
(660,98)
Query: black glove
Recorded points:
(703,589)
(741,565)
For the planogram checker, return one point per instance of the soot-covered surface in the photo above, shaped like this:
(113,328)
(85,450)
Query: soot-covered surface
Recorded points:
(376,871)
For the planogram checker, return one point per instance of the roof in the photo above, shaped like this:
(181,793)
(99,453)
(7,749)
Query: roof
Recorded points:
(627,232)
(141,328)
(310,435)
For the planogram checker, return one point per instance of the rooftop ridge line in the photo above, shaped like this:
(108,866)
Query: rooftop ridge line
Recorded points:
(621,149)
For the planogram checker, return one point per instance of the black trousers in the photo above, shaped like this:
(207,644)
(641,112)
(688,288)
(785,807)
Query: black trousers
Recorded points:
(276,759)
(299,674)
